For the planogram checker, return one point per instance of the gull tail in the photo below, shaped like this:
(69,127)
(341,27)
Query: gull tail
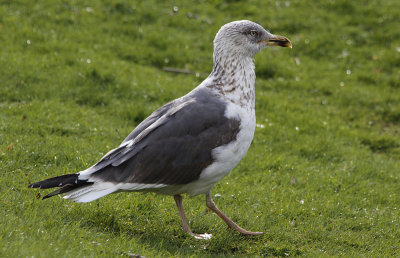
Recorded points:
(66,183)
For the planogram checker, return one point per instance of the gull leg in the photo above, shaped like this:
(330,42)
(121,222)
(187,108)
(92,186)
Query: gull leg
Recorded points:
(185,225)
(211,205)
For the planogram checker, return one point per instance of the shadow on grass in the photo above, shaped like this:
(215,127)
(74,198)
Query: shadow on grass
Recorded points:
(163,233)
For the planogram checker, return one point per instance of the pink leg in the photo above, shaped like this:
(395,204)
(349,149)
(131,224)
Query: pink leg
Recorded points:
(185,225)
(211,205)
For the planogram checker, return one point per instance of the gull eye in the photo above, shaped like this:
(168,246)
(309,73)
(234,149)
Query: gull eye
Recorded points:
(253,33)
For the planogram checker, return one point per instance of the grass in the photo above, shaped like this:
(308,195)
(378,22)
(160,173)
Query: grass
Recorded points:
(321,177)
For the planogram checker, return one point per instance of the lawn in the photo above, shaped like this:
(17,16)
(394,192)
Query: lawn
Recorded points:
(322,177)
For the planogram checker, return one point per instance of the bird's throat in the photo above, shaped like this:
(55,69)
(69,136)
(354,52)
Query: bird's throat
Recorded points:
(233,77)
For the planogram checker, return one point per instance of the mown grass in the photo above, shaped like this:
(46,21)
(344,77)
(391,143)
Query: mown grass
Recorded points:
(321,177)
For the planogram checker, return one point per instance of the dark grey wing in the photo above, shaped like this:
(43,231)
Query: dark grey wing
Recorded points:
(175,148)
(151,119)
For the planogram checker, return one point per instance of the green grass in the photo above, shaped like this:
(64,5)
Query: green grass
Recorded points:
(321,177)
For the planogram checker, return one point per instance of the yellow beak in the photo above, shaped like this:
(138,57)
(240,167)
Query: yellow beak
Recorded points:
(277,40)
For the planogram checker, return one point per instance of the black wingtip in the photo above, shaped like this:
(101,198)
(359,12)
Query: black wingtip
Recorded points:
(65,183)
(57,181)
(36,185)
(46,196)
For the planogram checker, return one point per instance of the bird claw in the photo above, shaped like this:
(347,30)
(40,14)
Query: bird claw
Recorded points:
(250,233)
(204,236)
(246,232)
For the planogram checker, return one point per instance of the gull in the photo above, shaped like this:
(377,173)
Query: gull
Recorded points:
(190,143)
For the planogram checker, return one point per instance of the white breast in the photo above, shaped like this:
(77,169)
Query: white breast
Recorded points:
(226,157)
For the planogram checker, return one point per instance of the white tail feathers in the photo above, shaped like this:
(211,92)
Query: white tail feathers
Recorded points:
(88,193)
(99,189)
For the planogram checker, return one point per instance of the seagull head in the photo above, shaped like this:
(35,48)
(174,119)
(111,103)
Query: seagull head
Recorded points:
(245,38)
